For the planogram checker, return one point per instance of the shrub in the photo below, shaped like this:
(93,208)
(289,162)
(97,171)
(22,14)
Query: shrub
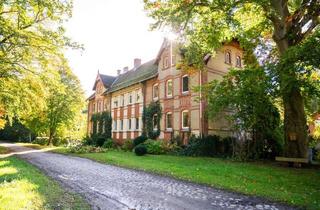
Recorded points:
(85,149)
(108,143)
(100,141)
(208,146)
(127,145)
(170,148)
(139,140)
(87,140)
(140,150)
(41,140)
(154,147)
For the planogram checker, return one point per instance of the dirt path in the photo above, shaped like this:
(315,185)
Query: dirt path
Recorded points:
(111,187)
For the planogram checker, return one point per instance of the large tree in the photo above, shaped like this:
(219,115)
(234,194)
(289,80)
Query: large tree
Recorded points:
(64,101)
(279,26)
(31,33)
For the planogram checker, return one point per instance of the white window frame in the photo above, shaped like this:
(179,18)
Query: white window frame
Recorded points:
(153,126)
(130,98)
(129,124)
(166,62)
(238,58)
(153,92)
(137,96)
(115,125)
(137,123)
(187,91)
(121,125)
(167,128)
(182,119)
(228,61)
(167,88)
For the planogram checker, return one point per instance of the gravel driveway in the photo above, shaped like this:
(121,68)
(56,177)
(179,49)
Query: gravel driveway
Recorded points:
(111,187)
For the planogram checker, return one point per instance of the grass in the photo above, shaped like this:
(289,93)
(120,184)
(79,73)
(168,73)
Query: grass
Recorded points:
(300,187)
(23,186)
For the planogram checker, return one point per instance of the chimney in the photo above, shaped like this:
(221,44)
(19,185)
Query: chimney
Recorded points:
(136,63)
(125,69)
(119,72)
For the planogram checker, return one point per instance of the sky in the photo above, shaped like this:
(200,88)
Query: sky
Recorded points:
(113,33)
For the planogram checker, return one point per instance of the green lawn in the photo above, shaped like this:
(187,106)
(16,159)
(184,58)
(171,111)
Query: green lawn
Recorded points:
(22,186)
(293,186)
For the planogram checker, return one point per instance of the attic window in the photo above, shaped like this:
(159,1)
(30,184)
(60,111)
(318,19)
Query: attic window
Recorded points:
(227,57)
(166,62)
(238,61)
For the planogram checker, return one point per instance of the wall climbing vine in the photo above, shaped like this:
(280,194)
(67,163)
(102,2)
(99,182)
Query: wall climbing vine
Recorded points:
(102,124)
(151,119)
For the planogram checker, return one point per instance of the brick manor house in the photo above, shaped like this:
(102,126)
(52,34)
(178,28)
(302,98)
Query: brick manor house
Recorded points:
(126,94)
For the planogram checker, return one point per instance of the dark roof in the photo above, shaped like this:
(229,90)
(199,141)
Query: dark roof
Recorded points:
(107,80)
(92,96)
(144,72)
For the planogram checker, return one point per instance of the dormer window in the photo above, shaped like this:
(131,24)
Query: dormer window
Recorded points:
(238,61)
(227,57)
(166,62)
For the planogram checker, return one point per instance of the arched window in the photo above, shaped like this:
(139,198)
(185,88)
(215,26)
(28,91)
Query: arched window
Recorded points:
(227,57)
(238,61)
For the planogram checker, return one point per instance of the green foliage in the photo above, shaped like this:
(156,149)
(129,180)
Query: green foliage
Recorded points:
(99,141)
(140,150)
(108,144)
(246,97)
(209,146)
(139,140)
(102,124)
(80,149)
(154,147)
(281,32)
(127,145)
(153,109)
(16,132)
(32,40)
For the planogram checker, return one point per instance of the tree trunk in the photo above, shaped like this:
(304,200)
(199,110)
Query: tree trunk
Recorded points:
(51,135)
(295,123)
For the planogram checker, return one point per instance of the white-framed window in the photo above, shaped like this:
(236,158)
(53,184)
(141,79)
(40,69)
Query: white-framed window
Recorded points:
(155,91)
(166,62)
(115,103)
(169,121)
(121,125)
(155,122)
(115,125)
(227,57)
(238,61)
(130,98)
(137,123)
(122,100)
(185,119)
(185,84)
(169,88)
(137,96)
(129,124)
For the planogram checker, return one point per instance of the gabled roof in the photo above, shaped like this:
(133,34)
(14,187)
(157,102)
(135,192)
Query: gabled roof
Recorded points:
(106,80)
(144,72)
